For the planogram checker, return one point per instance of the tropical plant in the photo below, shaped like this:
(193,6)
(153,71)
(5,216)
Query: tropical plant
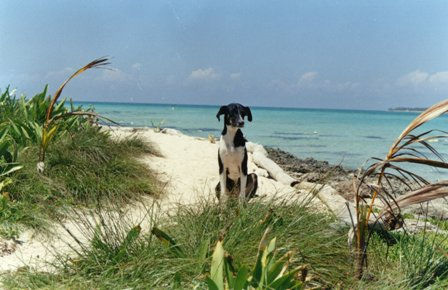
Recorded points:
(6,210)
(268,272)
(22,121)
(158,126)
(384,176)
(8,156)
(51,126)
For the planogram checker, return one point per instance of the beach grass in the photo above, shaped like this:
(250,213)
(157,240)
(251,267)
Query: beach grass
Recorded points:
(148,262)
(53,155)
(83,168)
(120,255)
(407,261)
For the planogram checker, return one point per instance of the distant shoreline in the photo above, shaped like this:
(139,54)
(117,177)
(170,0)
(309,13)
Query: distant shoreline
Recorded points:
(406,109)
(218,105)
(396,109)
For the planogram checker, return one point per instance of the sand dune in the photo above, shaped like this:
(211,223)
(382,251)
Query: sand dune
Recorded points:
(187,167)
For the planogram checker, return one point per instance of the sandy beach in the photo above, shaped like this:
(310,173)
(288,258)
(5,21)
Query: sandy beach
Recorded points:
(188,169)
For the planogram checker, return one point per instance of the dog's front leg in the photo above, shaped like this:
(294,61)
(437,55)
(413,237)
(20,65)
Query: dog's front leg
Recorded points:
(223,185)
(224,193)
(243,179)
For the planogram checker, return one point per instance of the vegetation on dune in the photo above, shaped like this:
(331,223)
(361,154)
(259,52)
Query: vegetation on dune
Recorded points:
(179,252)
(83,168)
(269,271)
(83,164)
(51,125)
(406,261)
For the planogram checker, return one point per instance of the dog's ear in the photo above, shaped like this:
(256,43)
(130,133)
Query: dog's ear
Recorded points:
(223,110)
(248,113)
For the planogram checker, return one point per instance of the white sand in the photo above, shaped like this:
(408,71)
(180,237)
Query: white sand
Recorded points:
(189,168)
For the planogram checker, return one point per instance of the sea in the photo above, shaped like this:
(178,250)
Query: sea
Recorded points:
(341,137)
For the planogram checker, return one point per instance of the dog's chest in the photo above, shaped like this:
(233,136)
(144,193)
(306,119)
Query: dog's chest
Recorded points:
(232,159)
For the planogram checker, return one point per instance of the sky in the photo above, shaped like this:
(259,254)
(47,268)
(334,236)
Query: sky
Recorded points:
(314,54)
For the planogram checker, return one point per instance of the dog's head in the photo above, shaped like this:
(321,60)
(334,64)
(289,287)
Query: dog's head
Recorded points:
(234,114)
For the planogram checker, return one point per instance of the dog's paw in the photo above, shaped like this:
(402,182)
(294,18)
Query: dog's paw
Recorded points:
(242,198)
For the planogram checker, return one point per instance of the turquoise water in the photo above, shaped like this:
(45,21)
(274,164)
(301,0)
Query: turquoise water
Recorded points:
(346,137)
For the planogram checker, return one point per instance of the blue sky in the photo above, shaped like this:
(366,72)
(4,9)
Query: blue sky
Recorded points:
(324,54)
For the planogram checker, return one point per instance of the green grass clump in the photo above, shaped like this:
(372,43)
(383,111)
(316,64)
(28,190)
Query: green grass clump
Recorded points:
(83,168)
(83,164)
(22,121)
(120,256)
(440,223)
(407,261)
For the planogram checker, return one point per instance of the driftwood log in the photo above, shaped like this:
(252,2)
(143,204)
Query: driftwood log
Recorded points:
(327,194)
(260,158)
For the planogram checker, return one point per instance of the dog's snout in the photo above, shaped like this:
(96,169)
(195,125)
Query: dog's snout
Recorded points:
(241,123)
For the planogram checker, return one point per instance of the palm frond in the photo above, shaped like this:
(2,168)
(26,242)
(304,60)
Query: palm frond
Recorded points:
(423,161)
(423,194)
(429,114)
(97,63)
(389,174)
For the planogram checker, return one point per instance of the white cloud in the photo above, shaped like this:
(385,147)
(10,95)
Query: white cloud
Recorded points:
(439,77)
(235,76)
(204,74)
(413,78)
(308,77)
(423,80)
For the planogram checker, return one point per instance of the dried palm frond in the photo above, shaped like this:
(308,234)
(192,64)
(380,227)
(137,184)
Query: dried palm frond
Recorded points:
(388,174)
(97,63)
(49,129)
(423,194)
(403,151)
(429,114)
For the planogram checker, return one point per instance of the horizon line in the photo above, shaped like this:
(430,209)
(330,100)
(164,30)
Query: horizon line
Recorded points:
(256,106)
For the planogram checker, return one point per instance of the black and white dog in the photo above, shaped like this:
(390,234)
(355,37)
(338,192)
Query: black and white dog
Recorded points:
(232,155)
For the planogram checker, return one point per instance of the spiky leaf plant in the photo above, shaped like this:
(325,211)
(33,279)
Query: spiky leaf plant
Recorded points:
(384,176)
(50,127)
(268,272)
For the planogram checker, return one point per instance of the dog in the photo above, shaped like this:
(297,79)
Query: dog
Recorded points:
(232,155)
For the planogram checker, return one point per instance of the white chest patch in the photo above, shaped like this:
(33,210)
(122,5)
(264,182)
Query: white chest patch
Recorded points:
(232,158)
